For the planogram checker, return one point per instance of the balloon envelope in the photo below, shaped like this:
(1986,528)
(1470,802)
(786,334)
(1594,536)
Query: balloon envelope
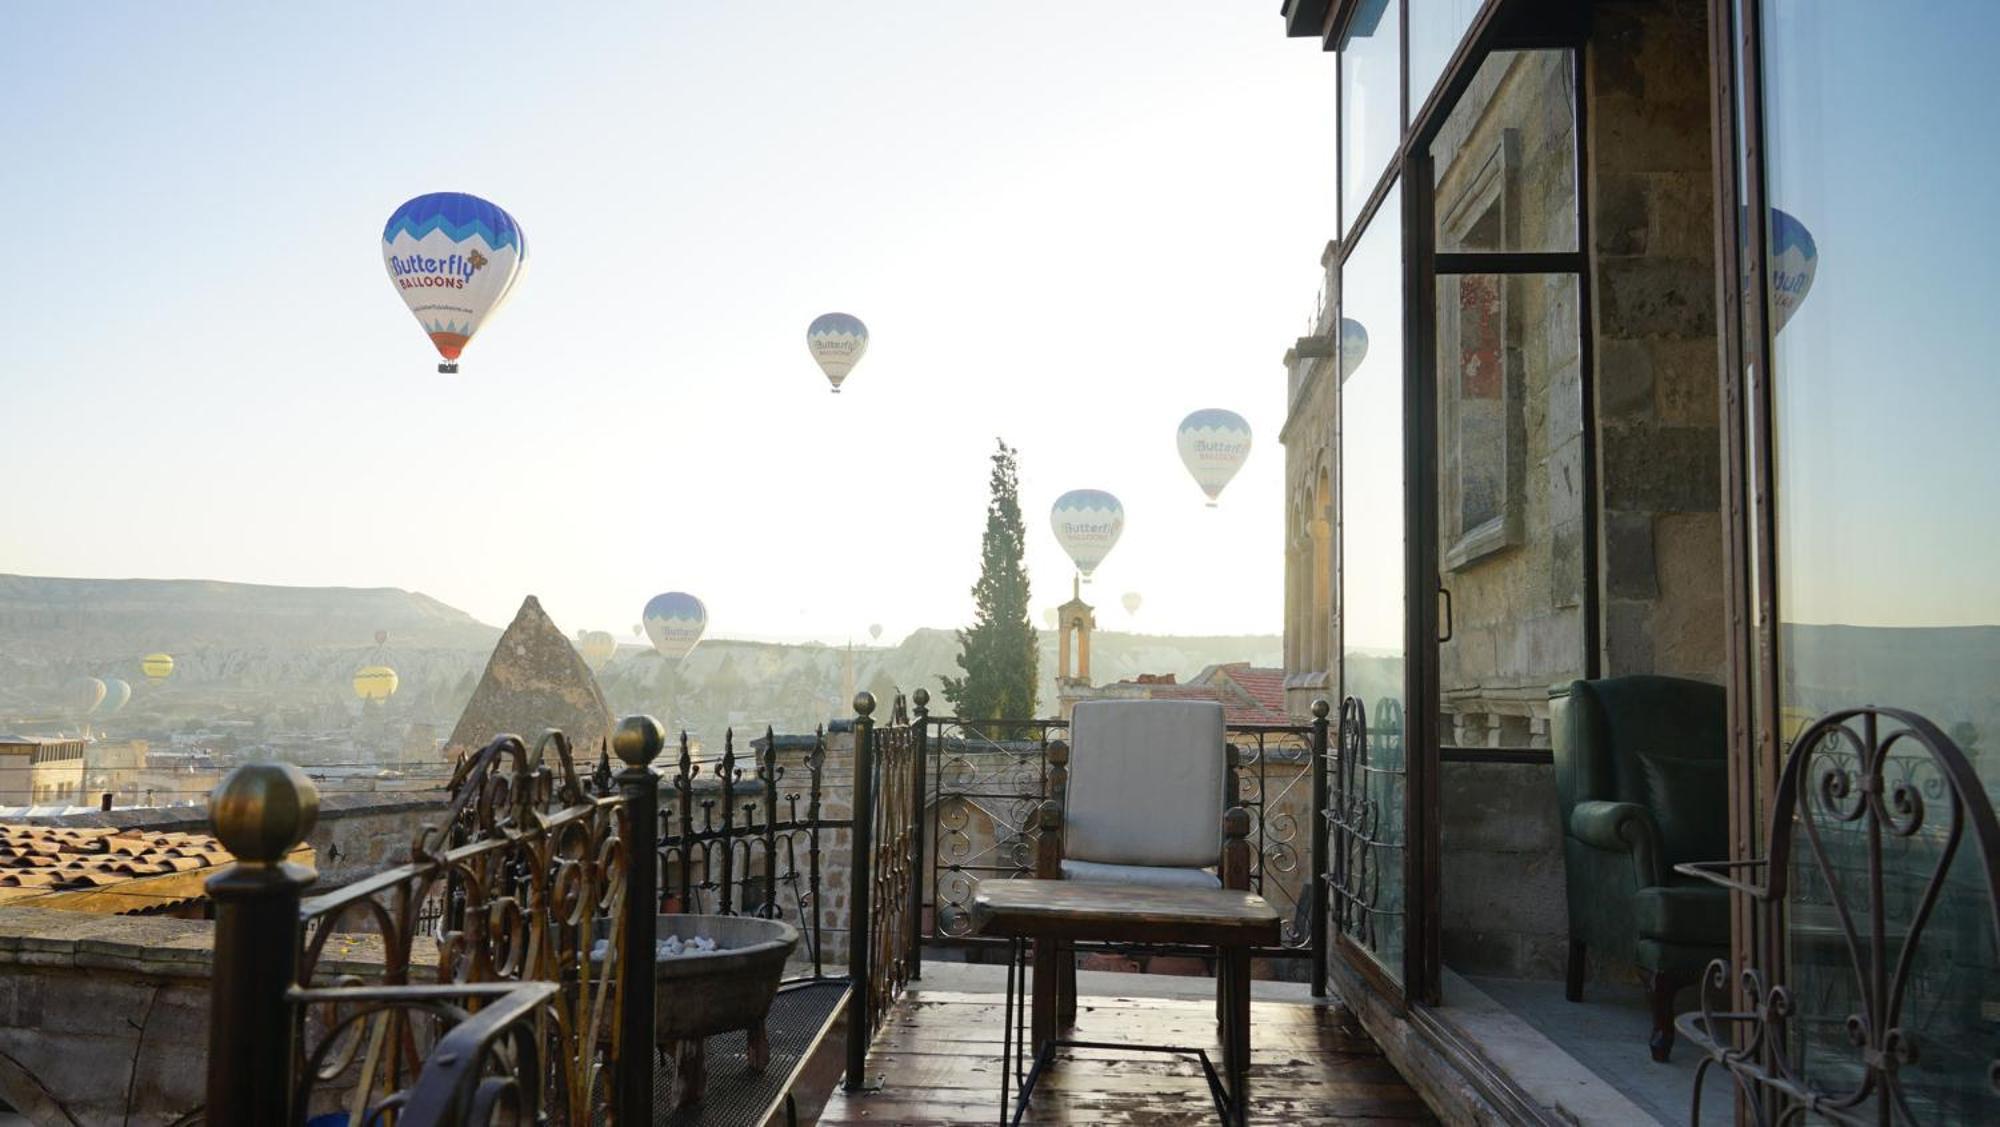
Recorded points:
(1051,617)
(1214,445)
(1087,524)
(875,631)
(84,694)
(157,667)
(1131,601)
(837,342)
(674,621)
(597,647)
(117,694)
(454,258)
(1353,346)
(375,682)
(1794,261)
(381,637)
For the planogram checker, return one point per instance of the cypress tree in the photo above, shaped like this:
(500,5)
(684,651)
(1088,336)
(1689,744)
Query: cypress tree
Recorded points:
(998,653)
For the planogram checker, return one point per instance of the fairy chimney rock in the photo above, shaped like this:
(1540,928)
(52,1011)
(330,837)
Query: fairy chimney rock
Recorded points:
(534,680)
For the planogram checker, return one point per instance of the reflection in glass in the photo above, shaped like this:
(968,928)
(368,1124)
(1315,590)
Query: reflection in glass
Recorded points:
(1884,404)
(1370,102)
(1372,602)
(1436,28)
(1511,504)
(1505,160)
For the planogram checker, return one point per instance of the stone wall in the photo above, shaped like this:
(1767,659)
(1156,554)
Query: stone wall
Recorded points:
(1653,257)
(1503,907)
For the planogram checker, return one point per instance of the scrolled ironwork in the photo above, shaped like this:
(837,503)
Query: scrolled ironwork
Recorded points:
(510,888)
(1871,809)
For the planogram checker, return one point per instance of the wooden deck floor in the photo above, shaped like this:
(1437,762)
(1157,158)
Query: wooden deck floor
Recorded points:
(939,1060)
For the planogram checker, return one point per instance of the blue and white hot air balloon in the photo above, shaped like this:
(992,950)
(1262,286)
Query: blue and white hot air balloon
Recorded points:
(1214,445)
(837,342)
(1353,346)
(674,621)
(1794,259)
(454,258)
(117,694)
(1087,523)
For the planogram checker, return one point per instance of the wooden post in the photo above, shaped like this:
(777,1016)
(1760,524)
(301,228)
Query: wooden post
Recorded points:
(1316,897)
(861,873)
(260,812)
(637,743)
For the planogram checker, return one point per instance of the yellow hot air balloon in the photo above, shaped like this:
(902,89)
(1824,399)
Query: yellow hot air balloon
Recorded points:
(597,647)
(375,682)
(157,667)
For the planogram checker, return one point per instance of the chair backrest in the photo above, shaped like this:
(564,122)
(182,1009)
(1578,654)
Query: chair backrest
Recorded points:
(1660,742)
(1146,783)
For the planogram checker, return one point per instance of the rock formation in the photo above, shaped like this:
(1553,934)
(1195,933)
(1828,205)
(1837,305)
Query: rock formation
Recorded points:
(534,680)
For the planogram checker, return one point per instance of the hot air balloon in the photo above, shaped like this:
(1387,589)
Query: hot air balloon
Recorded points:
(157,667)
(1214,445)
(83,695)
(638,631)
(875,632)
(117,694)
(1087,524)
(597,647)
(1794,261)
(674,621)
(375,682)
(454,258)
(1353,346)
(381,637)
(1051,617)
(1131,601)
(837,342)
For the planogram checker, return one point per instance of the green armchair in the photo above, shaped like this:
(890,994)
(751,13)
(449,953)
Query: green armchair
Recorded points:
(1642,785)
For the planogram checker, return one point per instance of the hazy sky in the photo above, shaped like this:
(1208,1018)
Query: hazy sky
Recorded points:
(1068,224)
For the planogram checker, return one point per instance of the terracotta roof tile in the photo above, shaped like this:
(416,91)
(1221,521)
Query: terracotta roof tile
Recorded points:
(62,857)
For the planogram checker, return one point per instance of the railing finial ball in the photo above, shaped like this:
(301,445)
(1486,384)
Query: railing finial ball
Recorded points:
(1321,708)
(1236,822)
(638,740)
(864,703)
(261,810)
(922,697)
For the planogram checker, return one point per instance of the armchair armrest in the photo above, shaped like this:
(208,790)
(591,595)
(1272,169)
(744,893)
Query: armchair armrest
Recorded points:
(1621,827)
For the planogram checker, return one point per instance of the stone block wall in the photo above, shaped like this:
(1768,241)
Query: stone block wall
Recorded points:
(1653,258)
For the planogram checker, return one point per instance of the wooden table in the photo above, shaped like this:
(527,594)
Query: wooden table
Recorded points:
(1055,913)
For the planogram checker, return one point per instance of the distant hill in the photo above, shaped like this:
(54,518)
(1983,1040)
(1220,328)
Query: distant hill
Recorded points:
(282,658)
(109,618)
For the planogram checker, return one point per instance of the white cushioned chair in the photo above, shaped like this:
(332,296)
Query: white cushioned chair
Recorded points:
(1148,782)
(1139,796)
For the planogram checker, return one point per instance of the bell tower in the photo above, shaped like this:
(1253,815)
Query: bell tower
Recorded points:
(1074,617)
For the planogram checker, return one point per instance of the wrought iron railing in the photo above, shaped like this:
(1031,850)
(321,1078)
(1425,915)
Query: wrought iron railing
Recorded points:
(464,987)
(750,840)
(1880,903)
(1363,815)
(981,783)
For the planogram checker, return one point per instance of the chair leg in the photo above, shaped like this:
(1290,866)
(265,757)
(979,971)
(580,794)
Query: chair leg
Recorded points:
(1573,971)
(1661,988)
(1066,987)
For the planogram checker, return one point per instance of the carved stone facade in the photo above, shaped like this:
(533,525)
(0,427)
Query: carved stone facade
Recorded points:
(1311,424)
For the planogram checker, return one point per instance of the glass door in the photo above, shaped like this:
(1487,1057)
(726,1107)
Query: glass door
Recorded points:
(1371,789)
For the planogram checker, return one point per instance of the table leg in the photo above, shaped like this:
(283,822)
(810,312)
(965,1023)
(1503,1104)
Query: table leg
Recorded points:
(1046,979)
(1007,1027)
(1236,1035)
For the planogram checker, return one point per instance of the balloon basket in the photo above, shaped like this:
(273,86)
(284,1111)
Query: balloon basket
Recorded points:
(1211,505)
(449,369)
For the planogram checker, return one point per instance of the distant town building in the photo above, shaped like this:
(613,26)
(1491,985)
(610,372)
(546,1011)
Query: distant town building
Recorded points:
(39,769)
